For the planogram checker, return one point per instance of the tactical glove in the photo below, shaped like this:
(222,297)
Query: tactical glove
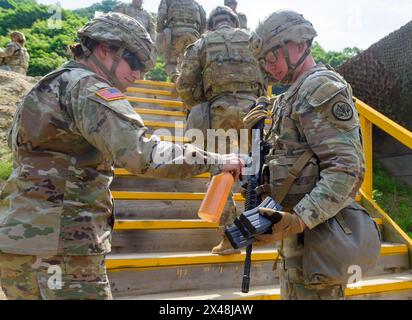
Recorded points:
(288,225)
(257,113)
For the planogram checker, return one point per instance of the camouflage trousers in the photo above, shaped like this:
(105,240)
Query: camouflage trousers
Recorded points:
(26,277)
(291,276)
(228,113)
(173,55)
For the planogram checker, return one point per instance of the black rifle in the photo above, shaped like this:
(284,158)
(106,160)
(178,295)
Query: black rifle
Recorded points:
(253,181)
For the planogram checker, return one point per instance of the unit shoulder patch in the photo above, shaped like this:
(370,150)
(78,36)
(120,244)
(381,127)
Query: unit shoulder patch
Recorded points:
(342,111)
(110,94)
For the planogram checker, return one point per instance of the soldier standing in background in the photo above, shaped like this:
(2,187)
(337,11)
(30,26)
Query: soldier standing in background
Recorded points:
(15,56)
(136,11)
(232,4)
(179,24)
(56,210)
(220,69)
(316,116)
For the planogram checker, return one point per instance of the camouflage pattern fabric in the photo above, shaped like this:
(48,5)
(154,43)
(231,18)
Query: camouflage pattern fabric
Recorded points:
(186,20)
(317,112)
(66,138)
(15,57)
(54,277)
(242,20)
(139,14)
(219,68)
(173,55)
(219,63)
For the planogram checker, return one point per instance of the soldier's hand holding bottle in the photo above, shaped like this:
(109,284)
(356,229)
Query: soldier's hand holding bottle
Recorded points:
(232,163)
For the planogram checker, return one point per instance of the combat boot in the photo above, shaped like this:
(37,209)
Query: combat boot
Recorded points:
(225,248)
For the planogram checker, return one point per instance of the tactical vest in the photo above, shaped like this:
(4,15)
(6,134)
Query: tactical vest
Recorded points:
(230,66)
(288,142)
(183,13)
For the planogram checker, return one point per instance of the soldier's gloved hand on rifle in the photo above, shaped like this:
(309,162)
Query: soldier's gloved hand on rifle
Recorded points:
(287,225)
(257,113)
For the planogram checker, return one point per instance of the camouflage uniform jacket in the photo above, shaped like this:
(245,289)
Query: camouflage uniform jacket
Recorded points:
(66,137)
(139,14)
(15,56)
(219,63)
(318,112)
(242,20)
(181,14)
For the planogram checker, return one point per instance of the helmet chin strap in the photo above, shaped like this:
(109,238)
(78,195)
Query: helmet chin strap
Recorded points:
(110,74)
(292,66)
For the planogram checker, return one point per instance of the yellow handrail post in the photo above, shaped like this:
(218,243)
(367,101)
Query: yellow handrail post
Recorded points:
(270,90)
(366,126)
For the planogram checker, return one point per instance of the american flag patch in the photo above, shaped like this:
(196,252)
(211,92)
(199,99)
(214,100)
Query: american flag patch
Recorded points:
(110,94)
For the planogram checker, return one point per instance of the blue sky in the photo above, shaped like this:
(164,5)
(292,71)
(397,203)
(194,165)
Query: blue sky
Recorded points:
(339,23)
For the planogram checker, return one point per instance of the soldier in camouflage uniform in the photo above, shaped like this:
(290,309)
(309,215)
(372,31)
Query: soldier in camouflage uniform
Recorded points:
(232,4)
(179,24)
(56,210)
(220,69)
(15,56)
(317,113)
(135,10)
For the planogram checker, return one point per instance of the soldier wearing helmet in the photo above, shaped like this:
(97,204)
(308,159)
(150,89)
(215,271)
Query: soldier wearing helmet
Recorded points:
(179,24)
(135,10)
(56,214)
(15,56)
(220,78)
(232,4)
(316,118)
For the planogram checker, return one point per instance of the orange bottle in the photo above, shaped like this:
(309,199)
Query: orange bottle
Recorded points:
(216,196)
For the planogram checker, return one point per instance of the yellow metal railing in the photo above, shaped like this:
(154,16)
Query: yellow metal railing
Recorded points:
(368,117)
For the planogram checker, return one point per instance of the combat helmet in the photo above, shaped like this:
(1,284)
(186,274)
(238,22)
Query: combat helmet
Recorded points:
(279,28)
(122,31)
(19,36)
(222,13)
(229,2)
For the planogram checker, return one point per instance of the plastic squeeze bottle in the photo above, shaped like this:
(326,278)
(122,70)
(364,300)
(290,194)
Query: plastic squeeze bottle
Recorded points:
(216,196)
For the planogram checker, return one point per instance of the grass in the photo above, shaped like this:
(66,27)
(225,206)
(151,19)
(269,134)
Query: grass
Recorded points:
(5,164)
(394,197)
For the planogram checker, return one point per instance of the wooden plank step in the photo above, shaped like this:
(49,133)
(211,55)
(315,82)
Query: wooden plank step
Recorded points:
(155,83)
(164,103)
(172,224)
(163,224)
(160,124)
(155,112)
(124,173)
(371,285)
(117,262)
(171,138)
(149,91)
(130,195)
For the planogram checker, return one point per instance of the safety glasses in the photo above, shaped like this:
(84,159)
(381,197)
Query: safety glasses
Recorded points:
(132,60)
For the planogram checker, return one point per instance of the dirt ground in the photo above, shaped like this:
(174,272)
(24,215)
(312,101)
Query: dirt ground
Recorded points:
(13,87)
